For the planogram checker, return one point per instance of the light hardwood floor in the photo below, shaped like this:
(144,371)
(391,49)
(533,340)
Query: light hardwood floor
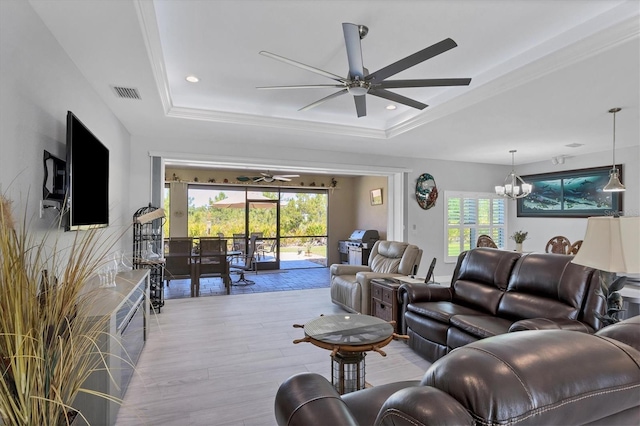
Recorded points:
(219,360)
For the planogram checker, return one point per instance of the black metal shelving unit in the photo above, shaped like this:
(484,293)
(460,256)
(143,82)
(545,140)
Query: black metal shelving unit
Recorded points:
(147,251)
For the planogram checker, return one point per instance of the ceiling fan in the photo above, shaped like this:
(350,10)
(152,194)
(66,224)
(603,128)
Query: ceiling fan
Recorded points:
(360,83)
(268,177)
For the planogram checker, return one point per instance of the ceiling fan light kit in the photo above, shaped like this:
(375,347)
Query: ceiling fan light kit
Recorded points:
(360,82)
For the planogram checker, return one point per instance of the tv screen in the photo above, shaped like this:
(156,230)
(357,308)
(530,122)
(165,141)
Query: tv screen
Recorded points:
(87,177)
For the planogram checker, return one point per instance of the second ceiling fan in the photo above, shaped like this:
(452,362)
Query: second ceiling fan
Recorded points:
(360,83)
(268,177)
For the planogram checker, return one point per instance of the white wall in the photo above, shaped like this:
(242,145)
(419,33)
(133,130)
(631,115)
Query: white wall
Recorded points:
(38,84)
(542,229)
(368,216)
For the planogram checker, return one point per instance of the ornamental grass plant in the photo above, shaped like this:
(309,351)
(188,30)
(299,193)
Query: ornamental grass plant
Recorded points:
(48,342)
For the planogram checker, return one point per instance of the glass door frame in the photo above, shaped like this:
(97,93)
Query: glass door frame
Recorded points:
(271,265)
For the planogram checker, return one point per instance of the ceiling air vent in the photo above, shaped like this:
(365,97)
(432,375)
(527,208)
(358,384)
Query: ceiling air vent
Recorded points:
(126,92)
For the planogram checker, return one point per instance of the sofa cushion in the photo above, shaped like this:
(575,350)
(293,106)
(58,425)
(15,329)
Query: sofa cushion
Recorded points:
(441,311)
(481,326)
(478,296)
(482,278)
(545,285)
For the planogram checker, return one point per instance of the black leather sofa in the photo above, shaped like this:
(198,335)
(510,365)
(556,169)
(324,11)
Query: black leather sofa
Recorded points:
(536,377)
(493,292)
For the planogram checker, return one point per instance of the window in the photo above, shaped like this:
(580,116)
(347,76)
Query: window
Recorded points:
(469,215)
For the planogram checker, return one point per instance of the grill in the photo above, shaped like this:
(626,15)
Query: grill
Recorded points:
(356,250)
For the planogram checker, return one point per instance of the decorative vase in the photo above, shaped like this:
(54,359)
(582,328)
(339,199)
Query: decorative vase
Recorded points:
(519,247)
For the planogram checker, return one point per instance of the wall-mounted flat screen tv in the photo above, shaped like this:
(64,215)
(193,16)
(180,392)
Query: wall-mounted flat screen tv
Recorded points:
(87,177)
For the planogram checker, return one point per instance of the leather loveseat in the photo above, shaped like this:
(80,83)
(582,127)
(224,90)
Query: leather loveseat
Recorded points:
(496,291)
(535,377)
(350,284)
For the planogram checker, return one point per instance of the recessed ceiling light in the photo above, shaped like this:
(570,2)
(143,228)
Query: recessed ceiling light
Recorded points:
(192,79)
(574,145)
(391,107)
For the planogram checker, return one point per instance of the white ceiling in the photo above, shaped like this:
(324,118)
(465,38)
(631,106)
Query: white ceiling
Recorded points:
(544,72)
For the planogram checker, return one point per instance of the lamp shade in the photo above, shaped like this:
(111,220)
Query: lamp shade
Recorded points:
(611,244)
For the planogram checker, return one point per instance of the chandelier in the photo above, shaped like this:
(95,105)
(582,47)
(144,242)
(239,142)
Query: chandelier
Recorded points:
(614,184)
(513,186)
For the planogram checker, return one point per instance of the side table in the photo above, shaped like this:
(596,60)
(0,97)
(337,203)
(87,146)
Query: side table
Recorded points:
(384,300)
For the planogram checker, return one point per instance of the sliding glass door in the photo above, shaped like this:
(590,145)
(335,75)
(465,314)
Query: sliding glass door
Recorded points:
(290,224)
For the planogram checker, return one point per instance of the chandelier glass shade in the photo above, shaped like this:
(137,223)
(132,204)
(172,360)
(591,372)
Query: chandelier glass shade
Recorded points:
(514,186)
(614,184)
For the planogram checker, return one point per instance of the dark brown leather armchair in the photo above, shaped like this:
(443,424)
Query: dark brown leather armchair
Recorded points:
(535,377)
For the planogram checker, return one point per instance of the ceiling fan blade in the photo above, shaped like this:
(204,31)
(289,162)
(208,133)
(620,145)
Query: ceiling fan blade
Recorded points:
(260,179)
(411,60)
(288,176)
(382,93)
(429,82)
(283,179)
(303,66)
(304,86)
(354,50)
(361,105)
(323,100)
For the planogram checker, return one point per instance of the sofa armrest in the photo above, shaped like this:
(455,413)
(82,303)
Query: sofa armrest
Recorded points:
(420,292)
(339,269)
(627,331)
(551,324)
(423,405)
(308,399)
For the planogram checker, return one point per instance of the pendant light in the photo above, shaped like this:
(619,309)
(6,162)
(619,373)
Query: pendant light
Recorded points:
(614,184)
(513,186)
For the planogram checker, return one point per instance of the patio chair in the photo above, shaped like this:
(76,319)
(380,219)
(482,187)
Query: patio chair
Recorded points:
(213,261)
(269,248)
(178,259)
(259,243)
(239,241)
(248,264)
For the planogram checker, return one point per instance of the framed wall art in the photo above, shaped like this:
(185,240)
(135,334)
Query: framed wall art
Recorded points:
(571,193)
(376,197)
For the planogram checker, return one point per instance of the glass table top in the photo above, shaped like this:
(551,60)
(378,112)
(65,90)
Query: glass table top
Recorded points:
(348,329)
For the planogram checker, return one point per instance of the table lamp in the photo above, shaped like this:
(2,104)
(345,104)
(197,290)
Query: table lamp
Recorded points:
(611,244)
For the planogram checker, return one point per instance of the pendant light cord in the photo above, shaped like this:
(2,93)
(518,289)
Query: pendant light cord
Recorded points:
(614,111)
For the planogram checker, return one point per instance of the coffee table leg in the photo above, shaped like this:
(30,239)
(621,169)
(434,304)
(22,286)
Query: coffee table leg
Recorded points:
(347,371)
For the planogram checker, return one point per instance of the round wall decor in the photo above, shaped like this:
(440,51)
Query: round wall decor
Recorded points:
(426,191)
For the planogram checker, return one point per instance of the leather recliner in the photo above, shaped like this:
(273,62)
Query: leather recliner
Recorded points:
(533,377)
(350,284)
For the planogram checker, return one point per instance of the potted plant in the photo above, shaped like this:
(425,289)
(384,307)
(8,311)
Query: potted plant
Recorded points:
(519,237)
(48,345)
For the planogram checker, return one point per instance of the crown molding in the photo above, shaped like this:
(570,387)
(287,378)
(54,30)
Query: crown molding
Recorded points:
(275,122)
(602,33)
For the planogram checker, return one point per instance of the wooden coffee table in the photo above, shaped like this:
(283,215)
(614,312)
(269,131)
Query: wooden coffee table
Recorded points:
(348,337)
